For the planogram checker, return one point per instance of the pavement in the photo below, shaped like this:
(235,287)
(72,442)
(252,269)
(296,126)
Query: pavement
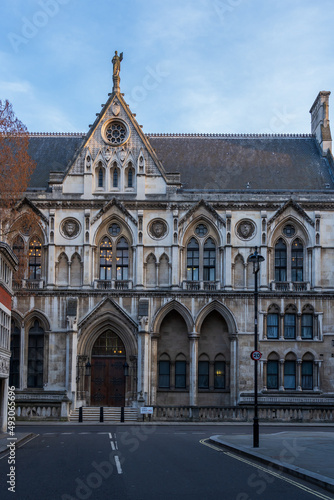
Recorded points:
(306,454)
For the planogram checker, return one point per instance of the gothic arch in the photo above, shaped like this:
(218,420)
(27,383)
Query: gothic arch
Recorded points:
(173,305)
(36,314)
(227,315)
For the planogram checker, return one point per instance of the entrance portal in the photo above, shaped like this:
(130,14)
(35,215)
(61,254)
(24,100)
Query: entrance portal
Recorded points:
(107,373)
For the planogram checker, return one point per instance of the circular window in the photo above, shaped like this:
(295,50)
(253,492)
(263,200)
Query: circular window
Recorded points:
(201,230)
(289,230)
(114,229)
(116,132)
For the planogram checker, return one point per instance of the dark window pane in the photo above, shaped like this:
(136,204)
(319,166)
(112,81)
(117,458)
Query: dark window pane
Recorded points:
(307,326)
(307,375)
(193,260)
(272,375)
(290,326)
(280,261)
(164,374)
(203,374)
(272,326)
(180,374)
(290,375)
(297,253)
(219,382)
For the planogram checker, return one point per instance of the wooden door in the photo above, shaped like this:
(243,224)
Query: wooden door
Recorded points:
(107,381)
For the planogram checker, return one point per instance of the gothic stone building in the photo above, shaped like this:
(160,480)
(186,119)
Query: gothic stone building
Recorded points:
(139,287)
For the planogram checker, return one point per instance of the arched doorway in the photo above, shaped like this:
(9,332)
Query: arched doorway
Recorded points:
(107,372)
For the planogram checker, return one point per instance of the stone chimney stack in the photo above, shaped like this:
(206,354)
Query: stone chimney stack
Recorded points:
(320,121)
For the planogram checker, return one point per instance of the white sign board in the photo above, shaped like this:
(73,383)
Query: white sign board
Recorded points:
(147,410)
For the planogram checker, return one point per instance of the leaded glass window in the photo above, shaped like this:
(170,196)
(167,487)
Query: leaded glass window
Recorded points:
(164,374)
(297,253)
(180,374)
(122,259)
(272,374)
(209,260)
(272,325)
(193,260)
(307,326)
(203,374)
(219,375)
(290,374)
(280,261)
(289,326)
(307,375)
(35,259)
(105,259)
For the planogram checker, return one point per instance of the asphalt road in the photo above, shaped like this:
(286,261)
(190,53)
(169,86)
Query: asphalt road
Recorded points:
(142,462)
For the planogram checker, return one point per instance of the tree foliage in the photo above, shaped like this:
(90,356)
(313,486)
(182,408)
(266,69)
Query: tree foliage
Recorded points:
(16,166)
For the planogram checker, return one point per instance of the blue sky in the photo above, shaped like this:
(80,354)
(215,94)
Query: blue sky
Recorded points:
(213,66)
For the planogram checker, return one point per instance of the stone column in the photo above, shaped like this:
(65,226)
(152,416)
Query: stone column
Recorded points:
(317,268)
(143,360)
(281,374)
(264,375)
(228,267)
(299,375)
(154,367)
(317,375)
(281,326)
(193,369)
(234,369)
(299,326)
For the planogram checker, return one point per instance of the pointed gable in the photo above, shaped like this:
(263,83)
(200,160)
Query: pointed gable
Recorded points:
(291,205)
(202,206)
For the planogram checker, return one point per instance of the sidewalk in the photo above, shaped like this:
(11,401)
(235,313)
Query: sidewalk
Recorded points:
(306,454)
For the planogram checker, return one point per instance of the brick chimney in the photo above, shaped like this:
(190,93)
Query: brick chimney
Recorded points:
(320,121)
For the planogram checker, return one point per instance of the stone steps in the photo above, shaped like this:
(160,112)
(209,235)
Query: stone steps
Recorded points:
(110,414)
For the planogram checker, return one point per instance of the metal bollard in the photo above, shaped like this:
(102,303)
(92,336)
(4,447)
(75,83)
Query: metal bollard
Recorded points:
(80,414)
(101,413)
(122,414)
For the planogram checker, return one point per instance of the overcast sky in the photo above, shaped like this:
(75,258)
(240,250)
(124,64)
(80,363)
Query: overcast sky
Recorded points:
(220,66)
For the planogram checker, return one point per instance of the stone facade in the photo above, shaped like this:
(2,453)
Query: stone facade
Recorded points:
(139,288)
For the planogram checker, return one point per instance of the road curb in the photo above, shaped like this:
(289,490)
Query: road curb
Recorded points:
(312,477)
(18,443)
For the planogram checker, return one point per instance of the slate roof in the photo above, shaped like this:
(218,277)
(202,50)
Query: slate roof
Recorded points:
(235,162)
(52,153)
(210,162)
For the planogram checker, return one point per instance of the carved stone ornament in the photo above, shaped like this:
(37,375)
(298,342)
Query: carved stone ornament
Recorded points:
(4,366)
(245,229)
(70,228)
(158,229)
(115,108)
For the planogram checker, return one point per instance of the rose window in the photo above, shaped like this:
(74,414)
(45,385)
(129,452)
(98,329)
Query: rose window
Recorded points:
(116,133)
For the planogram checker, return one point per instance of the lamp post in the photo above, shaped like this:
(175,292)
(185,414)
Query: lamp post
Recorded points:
(255,258)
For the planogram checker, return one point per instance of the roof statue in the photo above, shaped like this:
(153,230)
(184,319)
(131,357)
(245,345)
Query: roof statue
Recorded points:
(116,61)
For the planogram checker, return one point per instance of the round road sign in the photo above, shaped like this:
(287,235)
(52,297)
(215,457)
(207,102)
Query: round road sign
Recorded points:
(256,355)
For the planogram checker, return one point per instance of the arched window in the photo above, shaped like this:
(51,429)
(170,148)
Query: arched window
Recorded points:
(290,323)
(164,372)
(203,372)
(35,259)
(14,371)
(290,373)
(219,373)
(122,258)
(272,372)
(115,177)
(105,259)
(273,322)
(130,175)
(100,177)
(180,372)
(307,373)
(209,260)
(297,252)
(35,356)
(280,261)
(307,326)
(193,260)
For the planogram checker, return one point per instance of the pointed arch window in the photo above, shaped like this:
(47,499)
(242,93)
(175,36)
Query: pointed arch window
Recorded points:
(100,177)
(272,325)
(193,260)
(219,374)
(115,178)
(209,260)
(35,356)
(164,373)
(130,177)
(280,261)
(272,374)
(297,252)
(105,259)
(307,375)
(307,326)
(180,373)
(122,258)
(290,374)
(35,259)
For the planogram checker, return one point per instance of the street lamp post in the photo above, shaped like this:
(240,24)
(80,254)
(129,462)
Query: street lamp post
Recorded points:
(255,258)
